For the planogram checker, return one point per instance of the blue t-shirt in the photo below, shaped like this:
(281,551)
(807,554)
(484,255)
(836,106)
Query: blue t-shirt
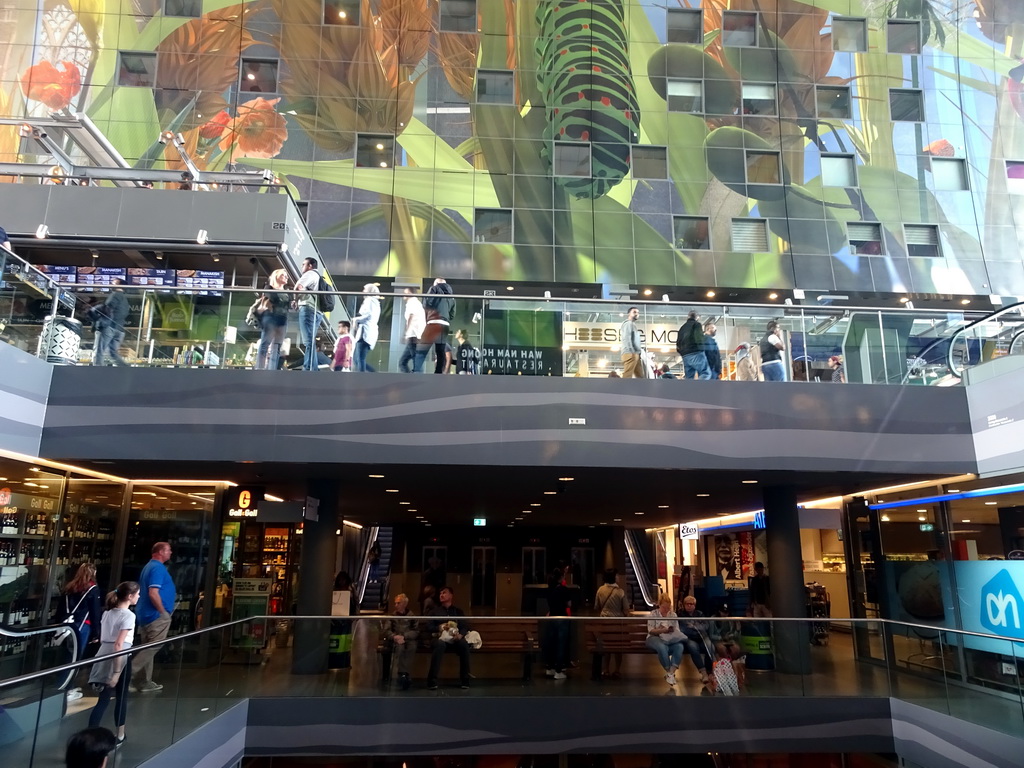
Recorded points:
(3,236)
(154,574)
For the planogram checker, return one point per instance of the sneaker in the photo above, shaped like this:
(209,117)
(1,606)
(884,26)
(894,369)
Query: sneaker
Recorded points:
(149,687)
(549,672)
(75,694)
(431,685)
(465,685)
(670,678)
(560,675)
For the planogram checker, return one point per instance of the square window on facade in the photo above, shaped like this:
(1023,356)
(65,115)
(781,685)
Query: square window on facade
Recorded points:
(571,159)
(833,101)
(903,36)
(865,238)
(838,171)
(1015,171)
(739,29)
(685,96)
(949,173)
(906,104)
(763,168)
(258,76)
(495,87)
(343,13)
(191,9)
(692,233)
(136,69)
(749,235)
(922,239)
(685,25)
(759,99)
(458,16)
(492,225)
(850,35)
(649,162)
(373,151)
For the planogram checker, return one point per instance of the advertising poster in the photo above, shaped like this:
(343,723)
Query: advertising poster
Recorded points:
(158,277)
(100,276)
(60,272)
(991,596)
(198,278)
(727,552)
(919,592)
(250,597)
(521,343)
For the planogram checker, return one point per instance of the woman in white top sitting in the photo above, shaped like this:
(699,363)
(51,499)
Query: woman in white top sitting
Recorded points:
(117,630)
(665,638)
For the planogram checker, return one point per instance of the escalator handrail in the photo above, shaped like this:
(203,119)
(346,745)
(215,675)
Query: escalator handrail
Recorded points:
(364,568)
(18,633)
(639,572)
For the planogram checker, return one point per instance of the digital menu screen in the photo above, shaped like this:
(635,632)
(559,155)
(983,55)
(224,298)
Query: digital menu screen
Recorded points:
(59,272)
(198,278)
(140,276)
(100,276)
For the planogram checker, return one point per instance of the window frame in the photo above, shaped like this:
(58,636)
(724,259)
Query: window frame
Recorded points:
(686,80)
(921,228)
(691,218)
(818,89)
(775,99)
(850,158)
(757,29)
(649,148)
(698,13)
(196,15)
(750,222)
(762,153)
(349,20)
(881,237)
(480,239)
(961,163)
(377,137)
(242,78)
(862,22)
(480,76)
(905,23)
(919,92)
(565,146)
(146,55)
(442,16)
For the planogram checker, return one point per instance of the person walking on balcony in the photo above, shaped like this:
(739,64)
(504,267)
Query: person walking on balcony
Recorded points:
(440,311)
(342,360)
(309,315)
(450,636)
(665,638)
(711,350)
(154,612)
(771,353)
(81,608)
(273,322)
(366,327)
(109,321)
(611,601)
(468,355)
(111,676)
(690,344)
(400,639)
(745,370)
(632,348)
(415,323)
(838,372)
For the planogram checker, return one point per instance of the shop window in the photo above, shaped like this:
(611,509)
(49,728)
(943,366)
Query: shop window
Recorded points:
(136,69)
(922,240)
(750,235)
(838,171)
(903,36)
(865,238)
(949,174)
(850,35)
(833,101)
(685,25)
(571,159)
(190,9)
(458,16)
(258,76)
(685,96)
(759,99)
(492,225)
(374,151)
(739,29)
(344,13)
(649,162)
(495,87)
(906,105)
(692,233)
(764,167)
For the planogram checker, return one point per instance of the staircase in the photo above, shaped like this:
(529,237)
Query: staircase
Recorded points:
(375,594)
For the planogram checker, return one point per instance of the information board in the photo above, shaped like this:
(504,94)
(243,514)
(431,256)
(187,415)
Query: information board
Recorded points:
(249,597)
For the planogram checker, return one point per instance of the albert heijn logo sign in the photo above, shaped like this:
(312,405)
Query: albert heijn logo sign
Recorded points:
(1002,607)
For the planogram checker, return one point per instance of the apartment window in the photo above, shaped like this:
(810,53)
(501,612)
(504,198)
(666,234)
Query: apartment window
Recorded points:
(692,233)
(492,225)
(739,29)
(685,96)
(750,235)
(373,151)
(758,99)
(763,167)
(495,87)
(649,162)
(865,238)
(833,101)
(342,13)
(458,16)
(922,239)
(949,174)
(838,171)
(850,35)
(903,36)
(1015,169)
(685,25)
(258,76)
(906,104)
(191,9)
(136,69)
(571,159)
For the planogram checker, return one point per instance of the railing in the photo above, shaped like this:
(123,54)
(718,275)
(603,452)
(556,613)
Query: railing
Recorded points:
(40,647)
(888,659)
(986,339)
(204,326)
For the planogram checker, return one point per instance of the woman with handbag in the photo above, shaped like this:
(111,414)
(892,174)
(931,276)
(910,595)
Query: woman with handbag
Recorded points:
(111,677)
(440,310)
(271,312)
(81,607)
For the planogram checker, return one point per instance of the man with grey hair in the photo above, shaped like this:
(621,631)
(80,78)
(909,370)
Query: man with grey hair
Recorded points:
(632,346)
(400,638)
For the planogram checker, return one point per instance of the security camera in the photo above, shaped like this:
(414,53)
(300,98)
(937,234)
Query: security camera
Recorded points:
(252,260)
(41,135)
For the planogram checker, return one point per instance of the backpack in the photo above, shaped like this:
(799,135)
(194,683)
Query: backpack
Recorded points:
(324,301)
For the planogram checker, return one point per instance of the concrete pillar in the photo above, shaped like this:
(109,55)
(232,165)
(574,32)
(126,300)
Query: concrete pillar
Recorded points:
(785,567)
(316,580)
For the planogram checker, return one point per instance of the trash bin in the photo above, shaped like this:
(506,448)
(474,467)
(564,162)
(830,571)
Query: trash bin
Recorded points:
(60,340)
(756,640)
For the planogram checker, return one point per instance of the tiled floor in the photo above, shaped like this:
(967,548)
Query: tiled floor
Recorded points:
(192,696)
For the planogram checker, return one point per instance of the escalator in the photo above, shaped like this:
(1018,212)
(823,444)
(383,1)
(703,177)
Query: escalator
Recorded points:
(373,592)
(641,587)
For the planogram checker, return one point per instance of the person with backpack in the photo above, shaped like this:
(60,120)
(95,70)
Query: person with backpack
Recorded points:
(366,327)
(440,311)
(690,345)
(309,312)
(109,320)
(80,607)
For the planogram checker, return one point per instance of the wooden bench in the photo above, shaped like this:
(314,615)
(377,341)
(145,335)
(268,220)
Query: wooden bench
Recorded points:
(622,636)
(498,636)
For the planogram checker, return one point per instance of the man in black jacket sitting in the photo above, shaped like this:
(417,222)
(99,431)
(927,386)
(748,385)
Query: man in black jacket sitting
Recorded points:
(448,639)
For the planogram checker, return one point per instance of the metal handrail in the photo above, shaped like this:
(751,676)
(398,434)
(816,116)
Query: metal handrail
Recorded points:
(20,634)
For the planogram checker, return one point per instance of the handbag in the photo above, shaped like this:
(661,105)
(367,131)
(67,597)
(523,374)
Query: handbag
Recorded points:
(259,307)
(725,678)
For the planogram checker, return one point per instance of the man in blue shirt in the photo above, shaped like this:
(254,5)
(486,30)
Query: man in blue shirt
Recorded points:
(153,613)
(5,241)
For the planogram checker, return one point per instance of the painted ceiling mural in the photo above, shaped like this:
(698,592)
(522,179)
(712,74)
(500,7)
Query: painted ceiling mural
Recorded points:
(826,144)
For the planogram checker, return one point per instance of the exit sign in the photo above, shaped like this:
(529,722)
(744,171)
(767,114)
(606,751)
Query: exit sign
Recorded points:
(927,526)
(479,521)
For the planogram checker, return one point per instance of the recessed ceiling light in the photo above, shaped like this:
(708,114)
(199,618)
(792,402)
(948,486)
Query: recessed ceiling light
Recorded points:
(426,525)
(773,296)
(748,482)
(412,510)
(511,525)
(703,495)
(567,479)
(965,302)
(922,510)
(966,520)
(419,517)
(535,504)
(663,506)
(391,490)
(405,503)
(922,518)
(604,523)
(648,291)
(991,503)
(638,513)
(710,294)
(617,520)
(952,490)
(375,475)
(722,514)
(519,518)
(885,518)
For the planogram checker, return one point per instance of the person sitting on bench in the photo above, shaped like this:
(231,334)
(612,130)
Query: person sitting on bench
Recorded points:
(450,635)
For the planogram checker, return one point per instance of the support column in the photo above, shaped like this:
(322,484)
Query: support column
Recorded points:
(786,569)
(316,580)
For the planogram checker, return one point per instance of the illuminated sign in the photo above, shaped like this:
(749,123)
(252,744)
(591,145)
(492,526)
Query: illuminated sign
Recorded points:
(479,521)
(688,531)
(5,496)
(607,334)
(244,502)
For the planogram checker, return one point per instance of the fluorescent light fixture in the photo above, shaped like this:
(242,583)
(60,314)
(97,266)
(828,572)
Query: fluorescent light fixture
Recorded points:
(567,479)
(447,110)
(953,496)
(202,237)
(748,482)
(42,231)
(375,475)
(350,524)
(272,497)
(391,490)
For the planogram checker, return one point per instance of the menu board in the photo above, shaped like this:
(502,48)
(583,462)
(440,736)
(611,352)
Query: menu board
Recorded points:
(59,272)
(198,278)
(140,276)
(101,276)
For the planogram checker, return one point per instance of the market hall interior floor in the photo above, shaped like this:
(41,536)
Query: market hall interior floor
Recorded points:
(194,695)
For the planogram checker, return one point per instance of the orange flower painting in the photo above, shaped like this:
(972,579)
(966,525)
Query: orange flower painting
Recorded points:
(53,87)
(214,129)
(258,129)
